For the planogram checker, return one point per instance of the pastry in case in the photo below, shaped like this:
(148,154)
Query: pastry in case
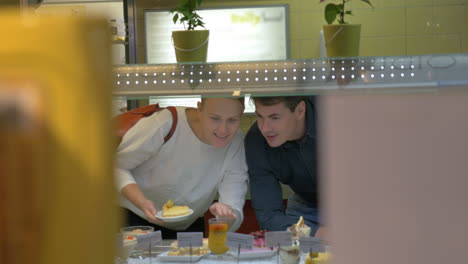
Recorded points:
(136,230)
(259,248)
(292,254)
(185,251)
(300,229)
(129,243)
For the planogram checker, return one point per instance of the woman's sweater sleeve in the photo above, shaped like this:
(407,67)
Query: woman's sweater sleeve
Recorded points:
(233,186)
(139,143)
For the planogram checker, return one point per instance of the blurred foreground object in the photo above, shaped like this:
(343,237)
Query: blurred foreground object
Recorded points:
(56,160)
(395,170)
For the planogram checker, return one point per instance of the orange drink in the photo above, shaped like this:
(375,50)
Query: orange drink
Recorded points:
(217,237)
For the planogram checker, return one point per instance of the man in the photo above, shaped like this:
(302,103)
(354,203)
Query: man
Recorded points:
(281,147)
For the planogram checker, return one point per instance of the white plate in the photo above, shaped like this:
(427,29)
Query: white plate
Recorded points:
(173,219)
(254,254)
(165,257)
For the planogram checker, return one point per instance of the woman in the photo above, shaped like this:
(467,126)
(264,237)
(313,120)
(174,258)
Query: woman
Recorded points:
(204,156)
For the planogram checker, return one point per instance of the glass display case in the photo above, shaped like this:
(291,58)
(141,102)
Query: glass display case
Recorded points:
(392,142)
(426,73)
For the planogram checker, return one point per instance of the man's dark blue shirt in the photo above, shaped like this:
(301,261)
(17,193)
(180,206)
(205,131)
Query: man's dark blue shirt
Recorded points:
(294,163)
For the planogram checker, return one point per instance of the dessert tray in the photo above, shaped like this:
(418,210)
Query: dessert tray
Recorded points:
(253,253)
(174,218)
(165,257)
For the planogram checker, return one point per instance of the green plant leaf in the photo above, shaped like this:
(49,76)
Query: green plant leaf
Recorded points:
(331,11)
(368,2)
(341,13)
(185,14)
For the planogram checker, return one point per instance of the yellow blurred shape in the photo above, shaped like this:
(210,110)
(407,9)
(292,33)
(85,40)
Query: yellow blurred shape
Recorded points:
(58,201)
(318,258)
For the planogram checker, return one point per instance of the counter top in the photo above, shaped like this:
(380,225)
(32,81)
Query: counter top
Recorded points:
(229,257)
(214,259)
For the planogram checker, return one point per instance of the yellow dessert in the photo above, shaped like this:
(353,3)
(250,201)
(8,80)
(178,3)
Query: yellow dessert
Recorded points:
(322,258)
(185,251)
(171,210)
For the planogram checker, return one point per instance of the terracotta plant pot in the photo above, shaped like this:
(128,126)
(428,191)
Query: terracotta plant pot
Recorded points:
(342,40)
(191,45)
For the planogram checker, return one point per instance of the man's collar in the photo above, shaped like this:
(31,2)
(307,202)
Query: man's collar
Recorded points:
(311,126)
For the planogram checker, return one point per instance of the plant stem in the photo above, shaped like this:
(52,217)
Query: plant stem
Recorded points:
(342,13)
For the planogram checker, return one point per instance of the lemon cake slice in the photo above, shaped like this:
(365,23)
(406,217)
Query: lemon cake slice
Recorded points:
(171,210)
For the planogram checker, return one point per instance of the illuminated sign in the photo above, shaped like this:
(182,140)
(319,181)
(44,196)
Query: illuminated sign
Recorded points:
(236,34)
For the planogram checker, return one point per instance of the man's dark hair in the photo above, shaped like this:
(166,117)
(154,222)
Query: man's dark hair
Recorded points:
(290,102)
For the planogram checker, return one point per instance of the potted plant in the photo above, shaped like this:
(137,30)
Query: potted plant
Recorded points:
(342,39)
(190,45)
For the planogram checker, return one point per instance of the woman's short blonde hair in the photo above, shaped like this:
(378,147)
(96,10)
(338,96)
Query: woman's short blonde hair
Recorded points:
(240,99)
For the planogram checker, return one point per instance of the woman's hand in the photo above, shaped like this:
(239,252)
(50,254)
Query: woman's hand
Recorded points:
(133,193)
(148,208)
(222,210)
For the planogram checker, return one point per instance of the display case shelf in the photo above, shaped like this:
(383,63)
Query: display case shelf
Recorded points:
(427,73)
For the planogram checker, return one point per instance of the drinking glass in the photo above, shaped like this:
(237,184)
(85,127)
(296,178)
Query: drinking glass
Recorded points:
(218,228)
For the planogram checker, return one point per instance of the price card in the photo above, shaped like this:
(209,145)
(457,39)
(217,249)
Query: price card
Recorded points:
(235,240)
(153,238)
(308,244)
(281,238)
(187,239)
